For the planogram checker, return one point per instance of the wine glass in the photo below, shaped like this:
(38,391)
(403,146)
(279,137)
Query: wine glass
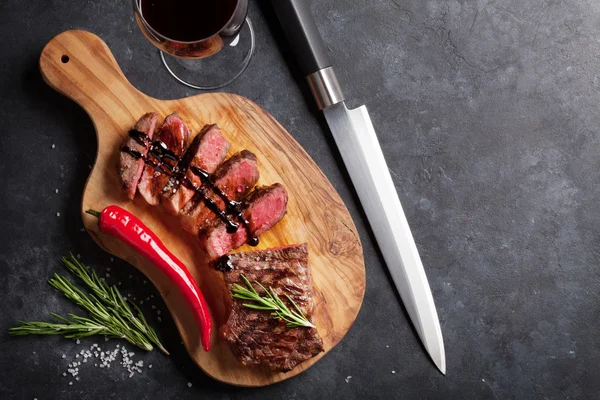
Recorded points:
(204,44)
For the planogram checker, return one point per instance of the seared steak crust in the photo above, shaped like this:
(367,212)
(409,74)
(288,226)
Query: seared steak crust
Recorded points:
(254,336)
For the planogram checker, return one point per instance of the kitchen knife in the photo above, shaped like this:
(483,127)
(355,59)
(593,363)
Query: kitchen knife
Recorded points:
(358,145)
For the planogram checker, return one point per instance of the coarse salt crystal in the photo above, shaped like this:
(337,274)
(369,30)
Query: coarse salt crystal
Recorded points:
(107,275)
(58,214)
(158,312)
(53,146)
(393,372)
(159,319)
(112,259)
(149,365)
(55,190)
(71,383)
(64,356)
(189,384)
(153,307)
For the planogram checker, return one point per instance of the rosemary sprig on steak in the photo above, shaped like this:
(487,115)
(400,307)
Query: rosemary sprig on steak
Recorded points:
(270,301)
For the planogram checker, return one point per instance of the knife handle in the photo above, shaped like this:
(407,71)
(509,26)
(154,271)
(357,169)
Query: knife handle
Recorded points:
(302,34)
(310,51)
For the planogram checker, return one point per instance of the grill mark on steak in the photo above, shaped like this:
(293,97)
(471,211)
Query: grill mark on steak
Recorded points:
(207,151)
(175,134)
(131,168)
(263,208)
(235,177)
(254,336)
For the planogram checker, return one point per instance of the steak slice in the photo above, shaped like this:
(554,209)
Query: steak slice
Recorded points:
(235,177)
(254,336)
(263,208)
(175,134)
(131,168)
(207,151)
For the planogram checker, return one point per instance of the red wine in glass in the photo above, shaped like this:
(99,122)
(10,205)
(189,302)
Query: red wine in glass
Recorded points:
(191,28)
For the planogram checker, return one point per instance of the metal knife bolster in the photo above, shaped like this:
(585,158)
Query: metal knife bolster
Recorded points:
(325,88)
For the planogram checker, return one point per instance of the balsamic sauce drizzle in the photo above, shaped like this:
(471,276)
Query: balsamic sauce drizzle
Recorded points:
(160,152)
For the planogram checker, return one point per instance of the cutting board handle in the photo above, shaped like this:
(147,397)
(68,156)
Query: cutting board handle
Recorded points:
(80,65)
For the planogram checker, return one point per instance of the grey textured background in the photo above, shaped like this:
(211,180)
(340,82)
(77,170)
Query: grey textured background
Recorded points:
(487,112)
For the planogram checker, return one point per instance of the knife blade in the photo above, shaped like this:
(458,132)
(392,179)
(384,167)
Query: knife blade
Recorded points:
(359,147)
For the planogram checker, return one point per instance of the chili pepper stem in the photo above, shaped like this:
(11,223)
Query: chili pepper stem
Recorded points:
(93,212)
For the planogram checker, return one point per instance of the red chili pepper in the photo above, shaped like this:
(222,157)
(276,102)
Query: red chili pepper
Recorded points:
(125,226)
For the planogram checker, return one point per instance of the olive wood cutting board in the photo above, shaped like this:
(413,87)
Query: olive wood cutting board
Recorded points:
(80,65)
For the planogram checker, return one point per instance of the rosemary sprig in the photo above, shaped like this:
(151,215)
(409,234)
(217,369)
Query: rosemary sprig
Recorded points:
(77,328)
(110,314)
(111,297)
(270,302)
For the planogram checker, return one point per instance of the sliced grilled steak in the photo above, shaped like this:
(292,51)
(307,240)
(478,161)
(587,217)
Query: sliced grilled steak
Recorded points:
(254,336)
(235,177)
(207,151)
(175,134)
(130,168)
(263,208)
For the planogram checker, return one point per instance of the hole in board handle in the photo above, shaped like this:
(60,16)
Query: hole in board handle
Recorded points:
(64,59)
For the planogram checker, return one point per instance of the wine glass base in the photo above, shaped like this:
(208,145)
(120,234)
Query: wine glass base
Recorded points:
(218,70)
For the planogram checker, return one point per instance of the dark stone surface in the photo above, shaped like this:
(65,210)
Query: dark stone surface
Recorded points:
(488,114)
